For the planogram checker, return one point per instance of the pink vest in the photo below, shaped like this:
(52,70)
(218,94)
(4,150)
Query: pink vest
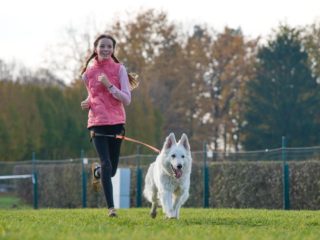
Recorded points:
(104,108)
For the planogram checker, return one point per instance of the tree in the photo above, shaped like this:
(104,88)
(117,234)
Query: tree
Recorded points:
(186,66)
(311,42)
(20,123)
(231,57)
(5,72)
(282,99)
(67,57)
(143,38)
(41,77)
(142,43)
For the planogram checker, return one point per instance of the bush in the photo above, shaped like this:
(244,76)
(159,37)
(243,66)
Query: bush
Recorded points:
(232,185)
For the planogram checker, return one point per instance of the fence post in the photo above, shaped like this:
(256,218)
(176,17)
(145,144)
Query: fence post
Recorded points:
(285,174)
(34,181)
(84,181)
(138,180)
(205,178)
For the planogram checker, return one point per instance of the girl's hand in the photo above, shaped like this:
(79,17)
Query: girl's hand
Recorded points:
(85,105)
(104,80)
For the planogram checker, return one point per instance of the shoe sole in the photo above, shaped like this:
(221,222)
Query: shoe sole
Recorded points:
(113,215)
(96,185)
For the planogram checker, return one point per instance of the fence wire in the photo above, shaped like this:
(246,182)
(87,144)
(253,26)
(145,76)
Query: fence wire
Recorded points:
(135,160)
(64,179)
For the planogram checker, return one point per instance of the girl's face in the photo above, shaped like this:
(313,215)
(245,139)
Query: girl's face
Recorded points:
(104,48)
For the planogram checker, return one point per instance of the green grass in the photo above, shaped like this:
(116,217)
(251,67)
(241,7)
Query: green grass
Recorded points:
(8,201)
(136,224)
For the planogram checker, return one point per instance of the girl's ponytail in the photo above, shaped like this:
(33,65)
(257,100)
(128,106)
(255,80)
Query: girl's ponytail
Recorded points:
(133,80)
(87,62)
(133,77)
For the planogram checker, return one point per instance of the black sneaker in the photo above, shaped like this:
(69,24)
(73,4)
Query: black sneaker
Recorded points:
(96,184)
(112,212)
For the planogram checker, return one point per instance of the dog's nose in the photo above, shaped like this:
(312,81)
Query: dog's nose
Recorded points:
(179,166)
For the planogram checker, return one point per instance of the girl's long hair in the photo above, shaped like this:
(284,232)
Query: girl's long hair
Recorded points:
(133,77)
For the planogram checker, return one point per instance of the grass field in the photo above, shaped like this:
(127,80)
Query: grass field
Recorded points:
(10,201)
(136,224)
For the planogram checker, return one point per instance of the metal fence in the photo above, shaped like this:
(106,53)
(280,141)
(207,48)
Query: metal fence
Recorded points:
(291,154)
(201,159)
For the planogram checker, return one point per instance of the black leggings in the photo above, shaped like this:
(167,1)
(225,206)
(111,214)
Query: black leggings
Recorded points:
(108,149)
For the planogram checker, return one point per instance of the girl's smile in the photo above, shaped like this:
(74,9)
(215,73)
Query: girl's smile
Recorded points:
(104,48)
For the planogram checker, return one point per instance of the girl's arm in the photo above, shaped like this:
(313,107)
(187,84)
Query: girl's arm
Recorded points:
(123,94)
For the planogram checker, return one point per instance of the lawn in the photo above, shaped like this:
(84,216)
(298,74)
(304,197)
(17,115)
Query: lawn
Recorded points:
(135,223)
(10,201)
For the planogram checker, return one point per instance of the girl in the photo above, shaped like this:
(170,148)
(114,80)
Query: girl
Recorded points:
(108,86)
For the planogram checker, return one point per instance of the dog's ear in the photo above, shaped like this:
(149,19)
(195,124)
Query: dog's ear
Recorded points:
(170,140)
(184,142)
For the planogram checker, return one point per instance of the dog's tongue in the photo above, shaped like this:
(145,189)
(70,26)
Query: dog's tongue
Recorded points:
(178,173)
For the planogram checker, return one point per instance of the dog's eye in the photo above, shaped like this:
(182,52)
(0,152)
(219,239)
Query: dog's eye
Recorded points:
(182,156)
(173,155)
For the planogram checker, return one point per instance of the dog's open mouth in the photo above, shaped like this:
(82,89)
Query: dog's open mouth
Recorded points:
(177,172)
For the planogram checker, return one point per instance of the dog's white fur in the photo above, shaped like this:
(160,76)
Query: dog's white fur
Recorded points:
(168,178)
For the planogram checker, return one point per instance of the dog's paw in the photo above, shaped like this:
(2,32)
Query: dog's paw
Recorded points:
(153,214)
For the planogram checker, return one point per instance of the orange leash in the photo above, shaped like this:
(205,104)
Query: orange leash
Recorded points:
(139,142)
(93,134)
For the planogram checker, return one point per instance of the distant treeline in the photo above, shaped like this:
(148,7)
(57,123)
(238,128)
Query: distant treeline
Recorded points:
(222,88)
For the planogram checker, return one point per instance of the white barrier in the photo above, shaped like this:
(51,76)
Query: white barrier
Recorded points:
(121,188)
(16,176)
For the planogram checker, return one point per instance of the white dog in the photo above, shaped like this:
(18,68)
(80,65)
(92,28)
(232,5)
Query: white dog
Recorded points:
(168,178)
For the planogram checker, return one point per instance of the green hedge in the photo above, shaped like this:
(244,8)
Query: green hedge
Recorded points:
(232,185)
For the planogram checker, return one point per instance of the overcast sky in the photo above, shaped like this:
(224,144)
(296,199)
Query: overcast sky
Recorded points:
(29,27)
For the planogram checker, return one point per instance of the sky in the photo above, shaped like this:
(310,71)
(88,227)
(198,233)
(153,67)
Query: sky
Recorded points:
(28,28)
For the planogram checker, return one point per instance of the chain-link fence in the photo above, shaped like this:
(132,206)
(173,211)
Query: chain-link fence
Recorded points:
(278,154)
(255,179)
